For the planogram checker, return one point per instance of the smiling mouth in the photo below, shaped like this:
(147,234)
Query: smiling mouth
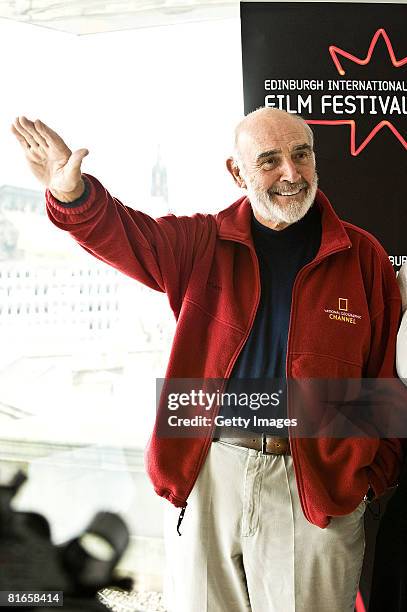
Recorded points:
(289,193)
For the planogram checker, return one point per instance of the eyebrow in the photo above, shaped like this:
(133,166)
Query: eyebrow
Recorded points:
(303,147)
(300,147)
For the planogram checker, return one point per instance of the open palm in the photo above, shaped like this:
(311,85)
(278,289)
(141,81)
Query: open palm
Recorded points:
(50,159)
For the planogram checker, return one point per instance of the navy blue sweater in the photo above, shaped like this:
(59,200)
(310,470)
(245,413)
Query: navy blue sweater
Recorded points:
(281,255)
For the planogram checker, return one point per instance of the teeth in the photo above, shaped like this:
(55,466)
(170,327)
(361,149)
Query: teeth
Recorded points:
(288,193)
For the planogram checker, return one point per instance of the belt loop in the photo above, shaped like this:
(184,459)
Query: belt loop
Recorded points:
(263,443)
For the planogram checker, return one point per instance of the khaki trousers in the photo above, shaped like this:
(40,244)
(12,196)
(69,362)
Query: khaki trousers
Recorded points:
(246,545)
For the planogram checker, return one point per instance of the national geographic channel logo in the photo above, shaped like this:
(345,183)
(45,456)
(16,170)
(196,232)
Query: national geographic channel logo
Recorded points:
(343,314)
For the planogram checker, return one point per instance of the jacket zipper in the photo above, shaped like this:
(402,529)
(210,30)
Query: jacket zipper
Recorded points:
(180,519)
(228,370)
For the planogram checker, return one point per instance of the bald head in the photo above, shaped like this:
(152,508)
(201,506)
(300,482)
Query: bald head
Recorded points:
(257,121)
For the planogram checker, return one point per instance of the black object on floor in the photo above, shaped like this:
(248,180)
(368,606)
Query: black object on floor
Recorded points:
(29,561)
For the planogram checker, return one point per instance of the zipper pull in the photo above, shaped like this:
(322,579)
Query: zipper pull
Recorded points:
(180,519)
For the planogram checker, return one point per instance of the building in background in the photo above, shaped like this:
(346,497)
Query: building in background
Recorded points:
(70,324)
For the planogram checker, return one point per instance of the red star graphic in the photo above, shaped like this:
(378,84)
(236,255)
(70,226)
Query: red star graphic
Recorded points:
(335,51)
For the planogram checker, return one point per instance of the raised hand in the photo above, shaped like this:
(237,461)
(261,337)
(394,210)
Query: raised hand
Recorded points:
(50,159)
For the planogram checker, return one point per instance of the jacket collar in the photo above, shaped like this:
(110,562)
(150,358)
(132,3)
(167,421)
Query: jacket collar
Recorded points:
(234,223)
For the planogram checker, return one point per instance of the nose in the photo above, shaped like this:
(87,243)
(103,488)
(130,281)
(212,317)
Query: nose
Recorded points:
(289,171)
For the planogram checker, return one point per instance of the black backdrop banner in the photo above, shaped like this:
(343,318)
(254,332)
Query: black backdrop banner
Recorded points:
(343,67)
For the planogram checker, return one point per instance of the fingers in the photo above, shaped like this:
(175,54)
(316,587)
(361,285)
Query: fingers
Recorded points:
(31,128)
(38,135)
(75,161)
(48,135)
(42,143)
(20,138)
(23,126)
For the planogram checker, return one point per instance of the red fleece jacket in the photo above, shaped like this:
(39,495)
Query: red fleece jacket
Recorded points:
(208,267)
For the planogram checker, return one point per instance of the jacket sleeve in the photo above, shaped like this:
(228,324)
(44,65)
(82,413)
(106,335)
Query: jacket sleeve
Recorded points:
(385,470)
(159,253)
(402,335)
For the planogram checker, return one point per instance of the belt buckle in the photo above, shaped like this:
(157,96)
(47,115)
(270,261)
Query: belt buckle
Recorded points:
(264,444)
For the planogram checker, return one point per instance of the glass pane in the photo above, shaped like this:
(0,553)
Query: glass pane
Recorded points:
(82,345)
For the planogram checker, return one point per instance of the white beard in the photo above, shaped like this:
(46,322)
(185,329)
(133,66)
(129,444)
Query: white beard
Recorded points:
(266,206)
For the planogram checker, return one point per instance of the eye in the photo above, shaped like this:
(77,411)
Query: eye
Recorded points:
(269,163)
(302,155)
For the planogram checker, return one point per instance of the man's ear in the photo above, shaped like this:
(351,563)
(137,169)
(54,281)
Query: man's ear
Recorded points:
(234,170)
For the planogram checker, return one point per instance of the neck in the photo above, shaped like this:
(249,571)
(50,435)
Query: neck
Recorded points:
(276,225)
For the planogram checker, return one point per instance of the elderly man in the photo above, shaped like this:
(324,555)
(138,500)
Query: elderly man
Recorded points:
(272,524)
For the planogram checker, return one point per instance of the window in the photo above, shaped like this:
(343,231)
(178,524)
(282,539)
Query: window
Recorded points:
(82,345)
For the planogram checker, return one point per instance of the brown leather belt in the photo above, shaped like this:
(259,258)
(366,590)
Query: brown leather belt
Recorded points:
(268,445)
